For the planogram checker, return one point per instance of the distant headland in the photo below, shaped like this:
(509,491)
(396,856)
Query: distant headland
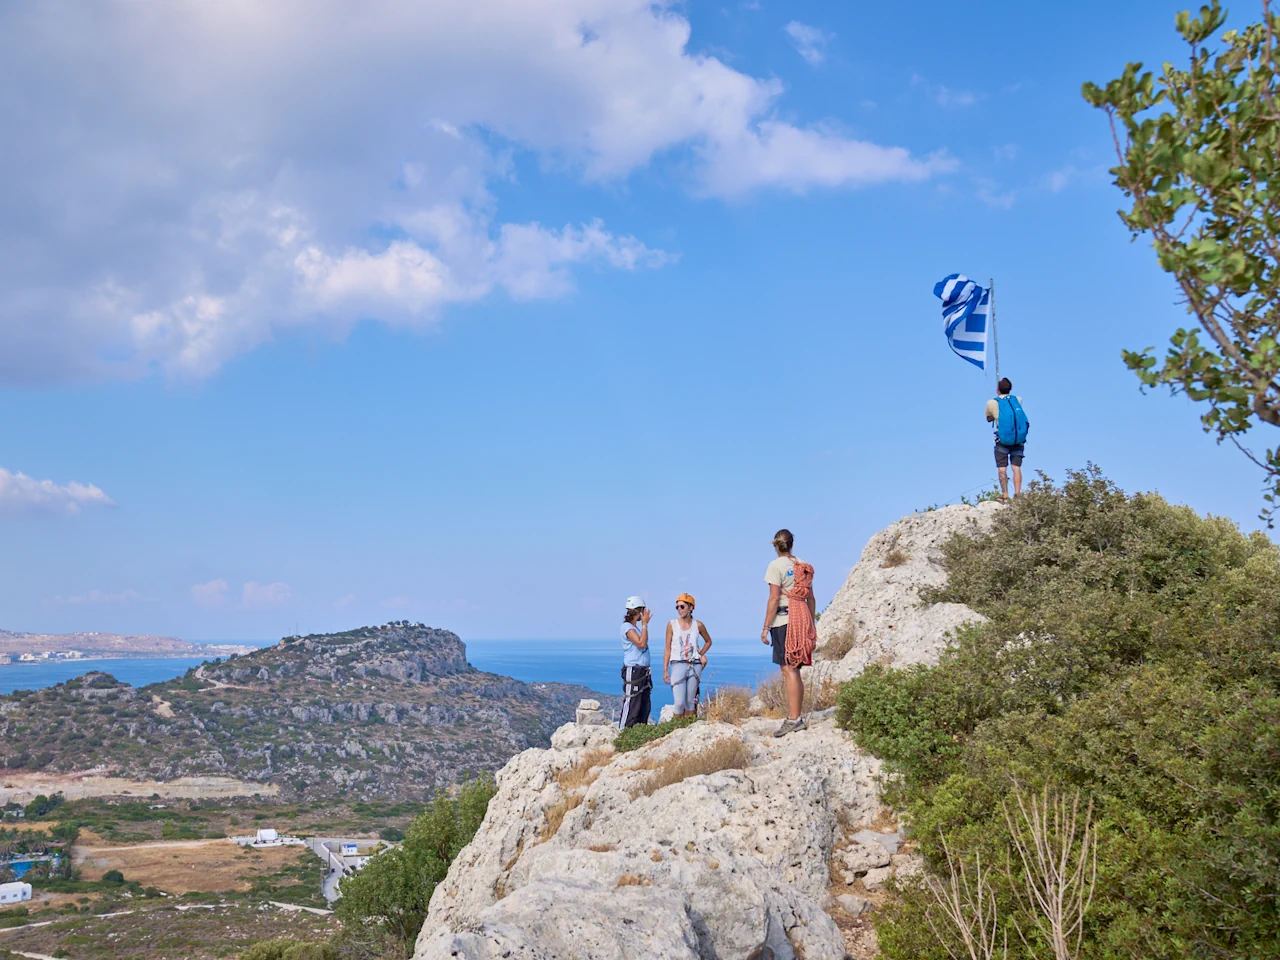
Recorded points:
(18,647)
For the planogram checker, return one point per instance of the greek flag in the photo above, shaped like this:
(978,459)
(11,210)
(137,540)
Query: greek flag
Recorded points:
(964,317)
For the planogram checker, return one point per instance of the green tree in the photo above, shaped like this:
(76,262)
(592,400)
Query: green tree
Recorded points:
(1199,152)
(392,892)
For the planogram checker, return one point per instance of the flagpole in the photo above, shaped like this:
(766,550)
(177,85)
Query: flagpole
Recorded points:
(995,341)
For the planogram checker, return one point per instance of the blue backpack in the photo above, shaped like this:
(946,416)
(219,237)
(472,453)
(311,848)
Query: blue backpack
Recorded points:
(1011,427)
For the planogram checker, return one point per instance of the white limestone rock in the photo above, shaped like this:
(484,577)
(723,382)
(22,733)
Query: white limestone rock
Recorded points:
(888,842)
(590,717)
(907,865)
(624,923)
(572,735)
(881,604)
(877,878)
(853,904)
(743,853)
(667,713)
(858,858)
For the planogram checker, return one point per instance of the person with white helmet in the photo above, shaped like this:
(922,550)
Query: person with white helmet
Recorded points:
(637,681)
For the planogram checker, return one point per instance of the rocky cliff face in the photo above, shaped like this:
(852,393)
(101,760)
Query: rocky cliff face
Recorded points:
(393,711)
(776,857)
(730,864)
(879,605)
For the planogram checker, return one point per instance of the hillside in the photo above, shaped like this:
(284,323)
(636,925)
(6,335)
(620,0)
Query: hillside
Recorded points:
(392,711)
(112,645)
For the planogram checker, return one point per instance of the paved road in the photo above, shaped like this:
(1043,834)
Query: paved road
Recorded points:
(326,848)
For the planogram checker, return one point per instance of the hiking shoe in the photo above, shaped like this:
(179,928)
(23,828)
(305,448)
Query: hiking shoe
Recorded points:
(789,726)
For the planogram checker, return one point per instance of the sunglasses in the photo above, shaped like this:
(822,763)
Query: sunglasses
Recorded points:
(682,605)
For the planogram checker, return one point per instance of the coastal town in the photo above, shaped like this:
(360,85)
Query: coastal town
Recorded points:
(43,656)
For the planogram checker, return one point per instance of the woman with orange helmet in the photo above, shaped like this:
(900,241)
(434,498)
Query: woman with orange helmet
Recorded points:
(684,657)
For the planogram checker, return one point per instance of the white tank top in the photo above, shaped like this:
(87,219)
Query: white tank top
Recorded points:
(684,642)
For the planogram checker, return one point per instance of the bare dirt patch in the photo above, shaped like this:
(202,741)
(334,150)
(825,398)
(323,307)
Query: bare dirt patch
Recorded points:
(24,787)
(180,866)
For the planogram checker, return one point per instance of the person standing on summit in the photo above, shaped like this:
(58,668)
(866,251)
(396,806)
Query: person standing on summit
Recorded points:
(1011,424)
(637,681)
(789,624)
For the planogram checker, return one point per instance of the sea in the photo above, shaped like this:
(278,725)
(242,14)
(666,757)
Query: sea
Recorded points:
(595,664)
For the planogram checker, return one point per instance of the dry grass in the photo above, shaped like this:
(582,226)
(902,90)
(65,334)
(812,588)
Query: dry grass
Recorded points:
(184,866)
(895,558)
(773,694)
(556,814)
(730,704)
(631,880)
(817,696)
(584,772)
(838,644)
(886,821)
(602,848)
(728,753)
(820,696)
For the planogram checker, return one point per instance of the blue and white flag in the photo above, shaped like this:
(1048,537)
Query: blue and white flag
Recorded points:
(964,317)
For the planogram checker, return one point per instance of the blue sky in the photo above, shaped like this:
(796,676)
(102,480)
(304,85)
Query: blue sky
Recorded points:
(492,314)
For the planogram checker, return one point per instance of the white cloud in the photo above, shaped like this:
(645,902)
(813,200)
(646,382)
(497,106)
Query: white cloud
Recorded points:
(95,597)
(945,96)
(810,42)
(256,596)
(211,594)
(1060,179)
(989,192)
(197,179)
(781,155)
(20,493)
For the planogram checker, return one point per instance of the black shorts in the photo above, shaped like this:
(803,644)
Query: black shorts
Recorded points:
(1005,455)
(779,637)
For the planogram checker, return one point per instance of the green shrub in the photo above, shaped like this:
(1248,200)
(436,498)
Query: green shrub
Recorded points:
(639,735)
(392,891)
(1132,653)
(290,949)
(114,877)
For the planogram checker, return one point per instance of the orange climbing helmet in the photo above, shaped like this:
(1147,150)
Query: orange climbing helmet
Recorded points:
(687,598)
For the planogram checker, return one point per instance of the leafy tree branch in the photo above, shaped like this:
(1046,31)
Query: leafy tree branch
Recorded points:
(1199,157)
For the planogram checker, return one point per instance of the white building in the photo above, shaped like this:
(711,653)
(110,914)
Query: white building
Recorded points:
(266,837)
(14,892)
(350,849)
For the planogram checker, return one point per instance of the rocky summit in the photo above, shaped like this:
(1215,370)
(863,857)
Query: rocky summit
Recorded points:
(718,841)
(877,616)
(392,711)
